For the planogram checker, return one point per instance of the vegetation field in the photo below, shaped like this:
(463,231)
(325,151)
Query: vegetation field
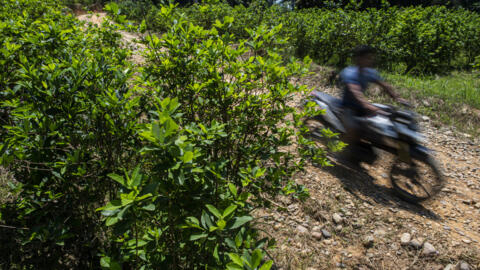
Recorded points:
(453,99)
(161,154)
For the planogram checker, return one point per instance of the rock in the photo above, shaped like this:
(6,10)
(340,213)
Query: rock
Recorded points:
(305,252)
(379,232)
(428,249)
(405,239)
(368,241)
(337,218)
(416,244)
(277,226)
(434,267)
(302,230)
(462,266)
(338,228)
(467,241)
(317,229)
(425,118)
(317,235)
(449,267)
(326,233)
(467,202)
(292,207)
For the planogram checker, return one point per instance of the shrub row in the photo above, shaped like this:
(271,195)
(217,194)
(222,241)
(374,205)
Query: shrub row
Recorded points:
(157,171)
(420,40)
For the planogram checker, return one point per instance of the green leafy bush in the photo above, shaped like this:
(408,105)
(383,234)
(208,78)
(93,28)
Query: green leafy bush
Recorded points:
(418,40)
(214,153)
(158,171)
(68,119)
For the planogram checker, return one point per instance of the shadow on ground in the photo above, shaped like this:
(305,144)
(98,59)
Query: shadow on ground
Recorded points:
(357,180)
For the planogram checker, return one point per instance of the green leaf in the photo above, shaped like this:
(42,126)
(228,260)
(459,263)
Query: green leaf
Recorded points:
(234,266)
(214,210)
(236,258)
(150,207)
(215,253)
(232,189)
(111,206)
(156,132)
(230,243)
(117,178)
(267,265)
(187,157)
(238,239)
(108,263)
(143,27)
(111,221)
(221,224)
(105,262)
(194,237)
(256,258)
(135,178)
(240,221)
(229,210)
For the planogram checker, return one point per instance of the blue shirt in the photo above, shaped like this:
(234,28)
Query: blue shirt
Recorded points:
(352,75)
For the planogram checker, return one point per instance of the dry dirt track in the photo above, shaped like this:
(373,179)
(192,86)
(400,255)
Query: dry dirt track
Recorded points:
(373,219)
(370,219)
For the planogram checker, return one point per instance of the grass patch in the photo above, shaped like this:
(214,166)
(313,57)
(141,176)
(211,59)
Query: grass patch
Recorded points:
(453,99)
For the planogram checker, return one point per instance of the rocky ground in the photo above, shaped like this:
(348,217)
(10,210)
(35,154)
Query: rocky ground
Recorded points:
(353,220)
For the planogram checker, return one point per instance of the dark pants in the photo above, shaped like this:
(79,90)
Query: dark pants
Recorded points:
(353,122)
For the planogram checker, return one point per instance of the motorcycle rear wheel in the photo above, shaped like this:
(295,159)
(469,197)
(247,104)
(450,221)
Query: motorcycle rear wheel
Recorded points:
(418,180)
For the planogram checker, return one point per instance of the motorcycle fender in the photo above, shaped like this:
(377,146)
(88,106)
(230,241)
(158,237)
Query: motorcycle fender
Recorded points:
(330,117)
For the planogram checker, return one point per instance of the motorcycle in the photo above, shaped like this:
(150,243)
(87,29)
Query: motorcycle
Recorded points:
(415,175)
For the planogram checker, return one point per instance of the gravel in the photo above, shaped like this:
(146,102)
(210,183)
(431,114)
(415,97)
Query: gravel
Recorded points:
(302,230)
(429,249)
(405,239)
(326,233)
(368,241)
(337,218)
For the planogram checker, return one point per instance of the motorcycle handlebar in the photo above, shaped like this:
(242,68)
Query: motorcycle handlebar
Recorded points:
(406,104)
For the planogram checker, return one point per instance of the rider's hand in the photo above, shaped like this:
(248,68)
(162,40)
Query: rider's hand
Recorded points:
(382,112)
(402,101)
(373,111)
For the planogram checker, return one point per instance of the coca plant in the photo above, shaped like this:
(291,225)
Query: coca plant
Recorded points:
(224,139)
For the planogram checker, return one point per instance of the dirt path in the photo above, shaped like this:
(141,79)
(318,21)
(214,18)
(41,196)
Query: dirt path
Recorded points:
(128,39)
(370,220)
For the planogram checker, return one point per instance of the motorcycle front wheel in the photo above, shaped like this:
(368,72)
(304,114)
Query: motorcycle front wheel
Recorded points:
(417,180)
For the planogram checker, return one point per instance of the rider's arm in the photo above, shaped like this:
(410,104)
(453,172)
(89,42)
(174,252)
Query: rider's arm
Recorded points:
(389,89)
(356,90)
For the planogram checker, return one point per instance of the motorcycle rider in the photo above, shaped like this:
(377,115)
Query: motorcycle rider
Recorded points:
(355,80)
